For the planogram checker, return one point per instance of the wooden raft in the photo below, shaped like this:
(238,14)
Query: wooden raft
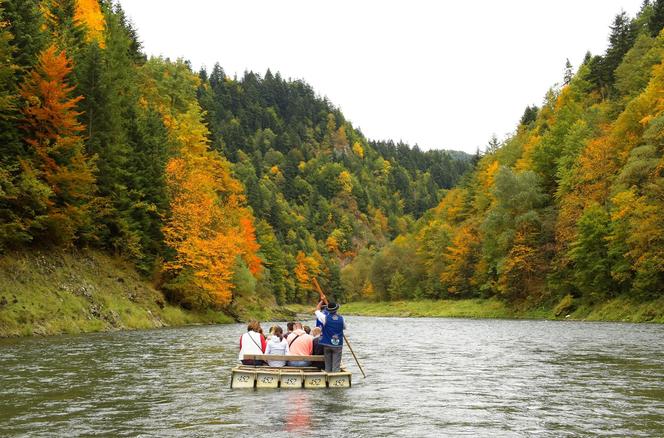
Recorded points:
(258,376)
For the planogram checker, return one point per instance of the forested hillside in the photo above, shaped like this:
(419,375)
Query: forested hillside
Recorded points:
(569,209)
(320,191)
(218,189)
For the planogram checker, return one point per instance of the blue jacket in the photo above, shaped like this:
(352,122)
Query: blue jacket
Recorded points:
(333,331)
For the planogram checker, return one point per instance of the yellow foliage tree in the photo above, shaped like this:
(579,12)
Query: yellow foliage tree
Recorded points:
(358,150)
(459,259)
(88,12)
(306,268)
(368,292)
(346,181)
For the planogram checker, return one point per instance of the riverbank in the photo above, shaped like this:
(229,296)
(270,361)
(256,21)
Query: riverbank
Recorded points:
(56,292)
(618,309)
(47,293)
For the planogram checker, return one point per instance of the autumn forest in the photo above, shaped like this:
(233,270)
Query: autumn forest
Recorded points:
(220,189)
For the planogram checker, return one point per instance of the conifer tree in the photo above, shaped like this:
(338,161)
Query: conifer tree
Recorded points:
(569,72)
(63,26)
(24,21)
(656,22)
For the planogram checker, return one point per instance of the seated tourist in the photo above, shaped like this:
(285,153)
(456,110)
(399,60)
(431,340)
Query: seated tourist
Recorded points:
(277,345)
(317,347)
(300,344)
(252,342)
(271,333)
(289,329)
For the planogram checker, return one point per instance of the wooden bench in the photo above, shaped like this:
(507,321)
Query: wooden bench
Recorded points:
(284,357)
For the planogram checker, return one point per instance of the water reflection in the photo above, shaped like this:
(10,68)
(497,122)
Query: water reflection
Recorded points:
(298,414)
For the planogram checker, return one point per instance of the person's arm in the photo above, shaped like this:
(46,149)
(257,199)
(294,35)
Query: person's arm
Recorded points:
(241,342)
(320,316)
(268,350)
(287,348)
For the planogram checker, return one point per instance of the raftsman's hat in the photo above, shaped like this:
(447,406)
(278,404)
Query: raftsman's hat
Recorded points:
(332,307)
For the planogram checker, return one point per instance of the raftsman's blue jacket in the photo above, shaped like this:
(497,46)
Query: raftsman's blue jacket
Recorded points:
(333,329)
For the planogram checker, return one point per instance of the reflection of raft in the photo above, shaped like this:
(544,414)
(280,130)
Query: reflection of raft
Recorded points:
(249,376)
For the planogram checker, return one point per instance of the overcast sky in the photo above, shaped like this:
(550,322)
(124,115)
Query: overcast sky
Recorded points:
(442,74)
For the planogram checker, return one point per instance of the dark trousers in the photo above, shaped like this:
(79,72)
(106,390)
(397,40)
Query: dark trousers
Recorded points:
(252,362)
(332,358)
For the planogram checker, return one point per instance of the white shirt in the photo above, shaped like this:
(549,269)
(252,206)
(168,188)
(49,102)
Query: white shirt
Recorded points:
(321,317)
(251,342)
(275,346)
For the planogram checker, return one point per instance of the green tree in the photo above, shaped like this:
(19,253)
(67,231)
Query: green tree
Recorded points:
(590,254)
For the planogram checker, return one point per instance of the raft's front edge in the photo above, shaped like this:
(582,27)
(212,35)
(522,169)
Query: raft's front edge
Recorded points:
(260,379)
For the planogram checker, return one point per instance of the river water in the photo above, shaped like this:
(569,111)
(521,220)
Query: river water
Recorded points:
(426,377)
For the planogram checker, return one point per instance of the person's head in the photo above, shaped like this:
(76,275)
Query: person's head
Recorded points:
(278,332)
(306,329)
(316,332)
(332,307)
(289,326)
(297,326)
(254,326)
(273,328)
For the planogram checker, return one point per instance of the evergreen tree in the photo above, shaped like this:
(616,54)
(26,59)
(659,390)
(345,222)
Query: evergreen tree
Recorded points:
(656,22)
(61,23)
(10,147)
(569,72)
(24,22)
(529,115)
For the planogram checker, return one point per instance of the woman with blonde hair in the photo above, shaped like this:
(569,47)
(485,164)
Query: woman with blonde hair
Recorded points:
(252,342)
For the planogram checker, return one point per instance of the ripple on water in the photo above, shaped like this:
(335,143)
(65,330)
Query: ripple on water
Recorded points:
(426,377)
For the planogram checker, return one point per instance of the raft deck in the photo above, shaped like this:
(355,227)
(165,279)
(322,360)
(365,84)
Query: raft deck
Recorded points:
(261,376)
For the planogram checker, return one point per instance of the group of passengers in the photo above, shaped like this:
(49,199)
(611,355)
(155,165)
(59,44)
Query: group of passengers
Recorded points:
(326,339)
(299,340)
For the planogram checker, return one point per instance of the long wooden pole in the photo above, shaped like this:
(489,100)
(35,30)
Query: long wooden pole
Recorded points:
(324,299)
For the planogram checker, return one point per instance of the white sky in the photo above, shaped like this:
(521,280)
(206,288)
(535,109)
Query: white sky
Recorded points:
(442,74)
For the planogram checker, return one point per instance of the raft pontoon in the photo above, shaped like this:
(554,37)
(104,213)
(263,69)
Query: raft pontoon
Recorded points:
(261,376)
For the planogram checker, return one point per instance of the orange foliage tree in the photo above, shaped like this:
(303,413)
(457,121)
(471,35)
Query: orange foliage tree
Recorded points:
(210,228)
(53,134)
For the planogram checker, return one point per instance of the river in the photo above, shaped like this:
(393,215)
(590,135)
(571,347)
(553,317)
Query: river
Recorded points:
(426,377)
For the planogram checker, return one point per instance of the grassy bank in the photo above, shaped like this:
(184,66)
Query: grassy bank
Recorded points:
(43,293)
(618,309)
